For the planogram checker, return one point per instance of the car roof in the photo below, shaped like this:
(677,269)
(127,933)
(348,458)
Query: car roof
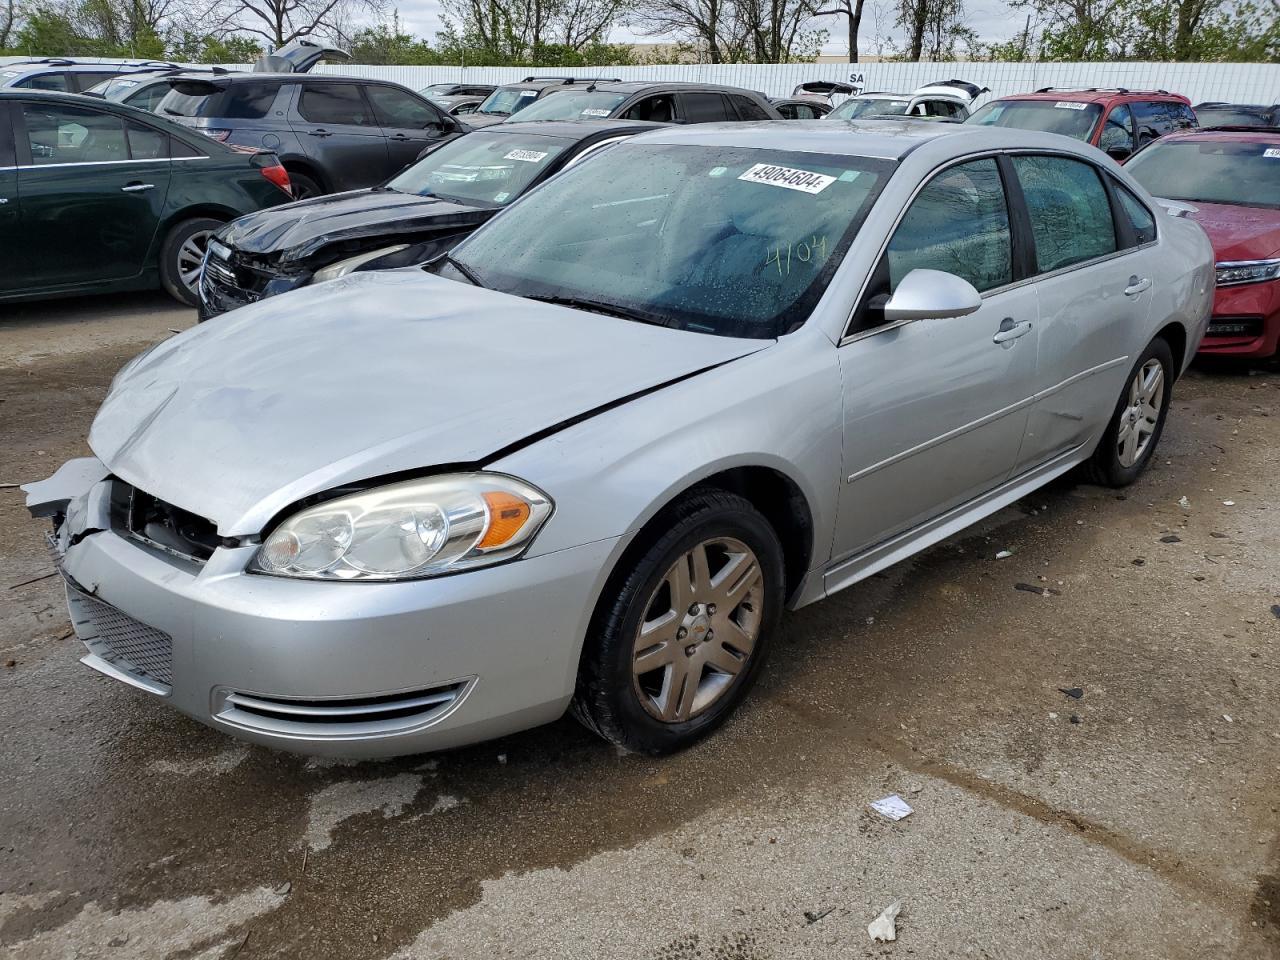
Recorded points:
(640,86)
(1097,95)
(882,139)
(571,129)
(1268,135)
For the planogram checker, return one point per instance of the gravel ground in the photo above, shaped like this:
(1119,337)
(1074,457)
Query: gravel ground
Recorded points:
(1138,820)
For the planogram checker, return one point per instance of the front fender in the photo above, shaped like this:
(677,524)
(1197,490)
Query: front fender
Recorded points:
(779,408)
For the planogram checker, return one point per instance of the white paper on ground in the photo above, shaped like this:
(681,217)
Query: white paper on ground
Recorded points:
(893,807)
(882,928)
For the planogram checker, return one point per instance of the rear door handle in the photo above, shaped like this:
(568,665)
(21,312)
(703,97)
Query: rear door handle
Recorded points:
(320,132)
(137,187)
(1137,285)
(1011,329)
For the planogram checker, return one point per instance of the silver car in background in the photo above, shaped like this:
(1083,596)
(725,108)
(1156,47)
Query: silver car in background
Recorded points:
(720,371)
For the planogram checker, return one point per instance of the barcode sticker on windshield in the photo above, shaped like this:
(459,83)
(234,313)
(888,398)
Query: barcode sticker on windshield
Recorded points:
(775,176)
(528,156)
(595,112)
(1066,105)
(1272,152)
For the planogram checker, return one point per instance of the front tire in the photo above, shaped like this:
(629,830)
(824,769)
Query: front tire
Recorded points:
(181,255)
(1130,439)
(683,630)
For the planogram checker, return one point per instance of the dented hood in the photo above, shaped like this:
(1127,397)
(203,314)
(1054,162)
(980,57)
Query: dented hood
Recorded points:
(295,231)
(366,376)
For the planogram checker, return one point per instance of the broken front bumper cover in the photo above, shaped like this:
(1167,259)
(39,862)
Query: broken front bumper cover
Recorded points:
(342,669)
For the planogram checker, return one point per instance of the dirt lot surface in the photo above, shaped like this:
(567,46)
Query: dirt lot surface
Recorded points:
(1133,816)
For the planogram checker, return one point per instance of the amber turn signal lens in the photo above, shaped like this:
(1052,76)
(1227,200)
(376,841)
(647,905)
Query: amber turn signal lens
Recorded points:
(507,514)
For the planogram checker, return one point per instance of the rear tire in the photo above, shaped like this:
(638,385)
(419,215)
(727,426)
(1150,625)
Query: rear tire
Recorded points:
(181,255)
(1130,439)
(655,677)
(303,187)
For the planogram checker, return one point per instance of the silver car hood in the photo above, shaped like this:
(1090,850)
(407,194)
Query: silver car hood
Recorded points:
(366,376)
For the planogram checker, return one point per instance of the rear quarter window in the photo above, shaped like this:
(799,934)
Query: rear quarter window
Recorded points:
(236,101)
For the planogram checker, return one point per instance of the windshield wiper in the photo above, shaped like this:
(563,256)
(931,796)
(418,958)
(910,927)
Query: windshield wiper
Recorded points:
(597,306)
(463,269)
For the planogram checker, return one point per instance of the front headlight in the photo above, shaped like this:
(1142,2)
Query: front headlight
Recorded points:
(343,267)
(1247,271)
(408,530)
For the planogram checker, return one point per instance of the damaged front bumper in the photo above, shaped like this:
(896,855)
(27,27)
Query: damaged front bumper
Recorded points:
(343,669)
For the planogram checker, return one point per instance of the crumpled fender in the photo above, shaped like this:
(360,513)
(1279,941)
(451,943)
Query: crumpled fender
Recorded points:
(75,492)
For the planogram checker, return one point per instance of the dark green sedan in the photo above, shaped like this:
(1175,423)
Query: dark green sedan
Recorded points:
(97,197)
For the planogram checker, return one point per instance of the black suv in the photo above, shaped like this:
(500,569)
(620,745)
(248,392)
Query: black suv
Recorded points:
(511,98)
(330,132)
(657,102)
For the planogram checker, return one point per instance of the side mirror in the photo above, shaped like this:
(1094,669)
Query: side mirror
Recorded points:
(1119,154)
(931,295)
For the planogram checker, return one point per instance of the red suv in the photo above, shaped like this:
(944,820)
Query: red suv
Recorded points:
(1230,179)
(1118,121)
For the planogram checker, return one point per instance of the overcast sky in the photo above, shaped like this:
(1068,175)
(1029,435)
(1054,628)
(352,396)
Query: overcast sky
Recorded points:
(990,19)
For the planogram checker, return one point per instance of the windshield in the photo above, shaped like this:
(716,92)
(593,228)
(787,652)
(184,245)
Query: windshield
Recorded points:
(1067,117)
(1232,117)
(487,168)
(856,107)
(722,240)
(1211,171)
(507,100)
(578,105)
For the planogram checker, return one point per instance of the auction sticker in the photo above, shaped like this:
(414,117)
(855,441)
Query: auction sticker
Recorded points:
(775,176)
(1067,105)
(528,156)
(1272,152)
(595,112)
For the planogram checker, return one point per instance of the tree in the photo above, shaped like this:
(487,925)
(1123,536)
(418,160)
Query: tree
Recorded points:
(524,31)
(735,31)
(851,10)
(9,22)
(279,21)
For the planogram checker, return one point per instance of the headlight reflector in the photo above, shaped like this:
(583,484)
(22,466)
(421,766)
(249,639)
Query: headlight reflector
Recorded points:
(343,267)
(1247,271)
(408,530)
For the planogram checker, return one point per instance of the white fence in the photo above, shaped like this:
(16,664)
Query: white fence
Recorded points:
(1237,82)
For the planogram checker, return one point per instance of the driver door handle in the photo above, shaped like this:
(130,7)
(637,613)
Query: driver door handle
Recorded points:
(1011,329)
(1137,285)
(137,187)
(399,136)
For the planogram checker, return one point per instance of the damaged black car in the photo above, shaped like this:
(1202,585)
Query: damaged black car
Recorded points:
(415,217)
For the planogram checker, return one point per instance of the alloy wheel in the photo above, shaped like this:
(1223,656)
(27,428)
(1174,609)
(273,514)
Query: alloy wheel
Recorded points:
(191,256)
(1141,414)
(699,630)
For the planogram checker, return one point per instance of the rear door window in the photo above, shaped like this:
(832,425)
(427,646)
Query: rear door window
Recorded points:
(704,108)
(748,109)
(335,103)
(1152,119)
(1069,210)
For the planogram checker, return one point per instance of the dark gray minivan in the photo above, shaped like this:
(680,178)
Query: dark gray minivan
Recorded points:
(332,133)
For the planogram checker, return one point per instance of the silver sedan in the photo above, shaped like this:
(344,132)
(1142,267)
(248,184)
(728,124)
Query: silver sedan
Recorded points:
(587,461)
